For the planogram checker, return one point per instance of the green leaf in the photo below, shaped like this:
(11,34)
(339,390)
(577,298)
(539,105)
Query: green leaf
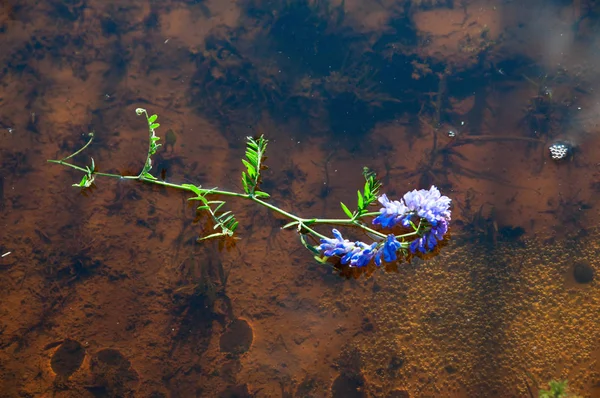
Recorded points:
(245,182)
(149,176)
(209,191)
(321,260)
(360,200)
(200,198)
(261,194)
(224,214)
(152,119)
(229,221)
(290,224)
(82,182)
(253,158)
(307,245)
(203,207)
(346,210)
(211,236)
(218,207)
(251,169)
(193,188)
(154,126)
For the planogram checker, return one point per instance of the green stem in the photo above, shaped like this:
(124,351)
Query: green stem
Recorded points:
(184,188)
(371,214)
(335,221)
(116,176)
(280,211)
(91,135)
(312,231)
(371,230)
(61,162)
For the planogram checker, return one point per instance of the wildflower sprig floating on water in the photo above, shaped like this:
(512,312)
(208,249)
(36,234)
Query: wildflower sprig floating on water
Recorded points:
(414,225)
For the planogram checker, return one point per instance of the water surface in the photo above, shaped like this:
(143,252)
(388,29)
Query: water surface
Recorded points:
(108,293)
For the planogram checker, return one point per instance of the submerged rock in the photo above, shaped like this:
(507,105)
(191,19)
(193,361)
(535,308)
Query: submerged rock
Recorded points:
(583,273)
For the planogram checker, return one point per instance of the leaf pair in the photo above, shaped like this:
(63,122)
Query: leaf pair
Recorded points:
(88,177)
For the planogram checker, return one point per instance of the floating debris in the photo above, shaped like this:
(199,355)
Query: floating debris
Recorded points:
(560,150)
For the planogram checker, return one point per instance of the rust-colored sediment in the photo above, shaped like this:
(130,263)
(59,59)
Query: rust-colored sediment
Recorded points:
(476,320)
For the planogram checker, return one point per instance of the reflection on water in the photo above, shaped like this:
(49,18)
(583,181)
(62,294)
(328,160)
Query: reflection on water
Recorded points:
(109,295)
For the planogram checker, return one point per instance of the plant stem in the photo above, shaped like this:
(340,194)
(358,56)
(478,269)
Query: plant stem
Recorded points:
(62,162)
(91,135)
(185,188)
(371,214)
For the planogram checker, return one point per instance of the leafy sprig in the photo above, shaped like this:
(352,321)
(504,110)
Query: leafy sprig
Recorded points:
(254,162)
(224,221)
(365,198)
(88,178)
(153,144)
(371,191)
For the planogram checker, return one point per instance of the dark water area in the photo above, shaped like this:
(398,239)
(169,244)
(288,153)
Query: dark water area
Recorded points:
(106,293)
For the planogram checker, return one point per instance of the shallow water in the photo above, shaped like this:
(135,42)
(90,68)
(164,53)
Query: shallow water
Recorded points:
(108,293)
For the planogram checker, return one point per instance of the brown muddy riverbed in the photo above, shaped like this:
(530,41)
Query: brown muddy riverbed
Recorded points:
(107,294)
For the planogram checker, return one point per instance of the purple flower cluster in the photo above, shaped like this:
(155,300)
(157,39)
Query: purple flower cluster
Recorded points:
(428,205)
(359,254)
(392,213)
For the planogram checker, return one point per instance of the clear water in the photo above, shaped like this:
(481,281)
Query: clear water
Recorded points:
(108,294)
